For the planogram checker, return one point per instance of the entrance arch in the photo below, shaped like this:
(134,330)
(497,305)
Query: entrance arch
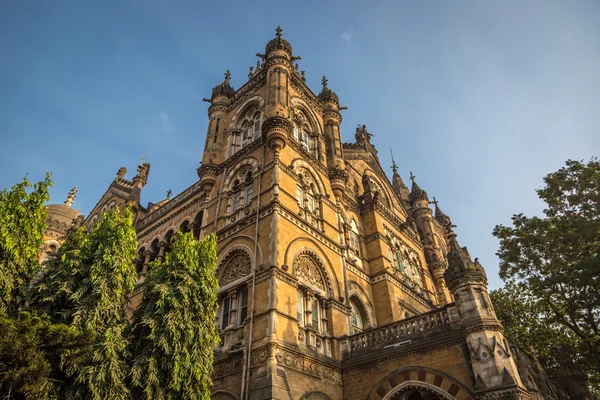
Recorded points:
(419,383)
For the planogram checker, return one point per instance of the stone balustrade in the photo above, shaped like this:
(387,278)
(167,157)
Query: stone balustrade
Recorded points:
(395,333)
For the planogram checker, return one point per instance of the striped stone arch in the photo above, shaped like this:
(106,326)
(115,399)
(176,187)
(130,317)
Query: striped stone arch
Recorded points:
(414,378)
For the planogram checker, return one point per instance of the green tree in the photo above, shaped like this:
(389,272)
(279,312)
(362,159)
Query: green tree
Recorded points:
(63,275)
(528,326)
(556,259)
(174,329)
(92,291)
(32,350)
(22,224)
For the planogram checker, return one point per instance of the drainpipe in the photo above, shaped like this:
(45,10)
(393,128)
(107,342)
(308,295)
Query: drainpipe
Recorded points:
(248,351)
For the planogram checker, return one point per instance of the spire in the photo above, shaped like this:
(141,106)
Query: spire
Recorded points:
(71,198)
(398,185)
(416,193)
(328,94)
(224,89)
(460,264)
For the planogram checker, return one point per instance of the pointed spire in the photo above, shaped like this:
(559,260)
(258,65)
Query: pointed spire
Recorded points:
(398,185)
(438,211)
(415,187)
(394,167)
(460,264)
(328,94)
(71,198)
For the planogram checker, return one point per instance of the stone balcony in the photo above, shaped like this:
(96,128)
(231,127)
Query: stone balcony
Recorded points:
(408,334)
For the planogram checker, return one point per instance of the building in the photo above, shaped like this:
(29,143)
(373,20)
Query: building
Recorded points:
(335,282)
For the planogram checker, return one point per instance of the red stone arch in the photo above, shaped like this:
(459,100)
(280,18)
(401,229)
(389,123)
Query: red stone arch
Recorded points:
(413,377)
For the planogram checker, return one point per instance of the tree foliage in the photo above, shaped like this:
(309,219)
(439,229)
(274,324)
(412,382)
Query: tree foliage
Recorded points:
(99,294)
(555,259)
(174,330)
(22,224)
(32,351)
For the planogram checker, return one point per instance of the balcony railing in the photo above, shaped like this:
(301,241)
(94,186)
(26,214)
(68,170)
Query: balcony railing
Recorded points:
(395,332)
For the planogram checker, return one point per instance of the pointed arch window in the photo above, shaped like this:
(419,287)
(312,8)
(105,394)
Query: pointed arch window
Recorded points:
(356,317)
(407,269)
(256,126)
(354,242)
(242,192)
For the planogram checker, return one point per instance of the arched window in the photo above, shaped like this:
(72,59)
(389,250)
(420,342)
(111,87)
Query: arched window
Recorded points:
(356,316)
(311,294)
(242,190)
(407,269)
(354,242)
(250,129)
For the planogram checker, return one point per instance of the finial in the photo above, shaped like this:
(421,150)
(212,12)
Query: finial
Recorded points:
(169,193)
(394,166)
(412,177)
(324,82)
(143,159)
(71,198)
(278,32)
(227,76)
(434,202)
(302,75)
(251,68)
(296,66)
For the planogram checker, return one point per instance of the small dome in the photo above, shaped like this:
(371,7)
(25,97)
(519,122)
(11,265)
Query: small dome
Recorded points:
(278,43)
(224,89)
(328,94)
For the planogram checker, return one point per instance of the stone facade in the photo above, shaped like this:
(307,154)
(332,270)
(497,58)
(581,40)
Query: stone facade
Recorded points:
(335,282)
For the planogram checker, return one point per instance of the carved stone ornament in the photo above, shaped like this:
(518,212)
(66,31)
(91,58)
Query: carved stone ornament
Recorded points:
(307,271)
(236,265)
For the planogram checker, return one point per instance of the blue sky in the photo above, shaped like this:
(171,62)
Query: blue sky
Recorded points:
(479,99)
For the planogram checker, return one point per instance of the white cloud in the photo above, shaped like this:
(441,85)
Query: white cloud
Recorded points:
(347,35)
(165,121)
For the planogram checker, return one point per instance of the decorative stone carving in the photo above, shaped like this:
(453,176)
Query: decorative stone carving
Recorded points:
(307,270)
(236,265)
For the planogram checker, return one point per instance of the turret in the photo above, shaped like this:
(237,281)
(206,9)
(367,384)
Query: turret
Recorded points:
(494,368)
(435,257)
(398,185)
(331,121)
(215,134)
(278,61)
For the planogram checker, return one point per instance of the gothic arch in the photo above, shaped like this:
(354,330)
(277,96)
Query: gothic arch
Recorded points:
(236,265)
(308,267)
(356,292)
(222,395)
(298,163)
(414,378)
(383,190)
(315,395)
(256,101)
(241,241)
(250,161)
(296,246)
(311,116)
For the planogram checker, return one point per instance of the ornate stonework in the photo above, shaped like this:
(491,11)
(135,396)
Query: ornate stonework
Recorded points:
(236,265)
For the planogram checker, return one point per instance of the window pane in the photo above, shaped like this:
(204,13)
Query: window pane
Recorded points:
(315,315)
(407,268)
(256,126)
(225,315)
(236,201)
(299,195)
(300,307)
(249,194)
(244,306)
(245,134)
